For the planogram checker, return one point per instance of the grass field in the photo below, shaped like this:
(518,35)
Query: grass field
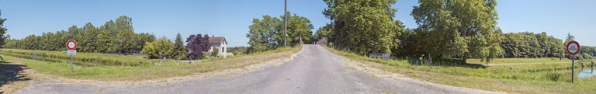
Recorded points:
(82,59)
(168,68)
(536,78)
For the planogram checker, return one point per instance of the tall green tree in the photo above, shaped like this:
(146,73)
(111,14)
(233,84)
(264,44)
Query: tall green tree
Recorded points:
(298,27)
(104,41)
(459,28)
(267,33)
(2,31)
(125,41)
(257,44)
(179,46)
(363,26)
(90,38)
(325,31)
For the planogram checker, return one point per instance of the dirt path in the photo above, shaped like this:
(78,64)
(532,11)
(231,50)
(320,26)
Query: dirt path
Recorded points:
(314,70)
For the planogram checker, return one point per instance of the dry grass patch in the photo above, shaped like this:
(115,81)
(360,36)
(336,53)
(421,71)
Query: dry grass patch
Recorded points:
(13,86)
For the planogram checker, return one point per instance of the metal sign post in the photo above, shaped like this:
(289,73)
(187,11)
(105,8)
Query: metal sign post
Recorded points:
(572,68)
(71,45)
(430,60)
(71,65)
(572,48)
(160,58)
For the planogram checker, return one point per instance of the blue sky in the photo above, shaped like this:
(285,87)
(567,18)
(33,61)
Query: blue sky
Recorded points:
(231,18)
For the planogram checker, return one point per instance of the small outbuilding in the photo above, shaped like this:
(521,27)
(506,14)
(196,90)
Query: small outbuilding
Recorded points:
(219,43)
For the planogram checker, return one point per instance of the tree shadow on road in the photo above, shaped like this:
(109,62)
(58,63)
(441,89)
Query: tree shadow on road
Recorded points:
(12,72)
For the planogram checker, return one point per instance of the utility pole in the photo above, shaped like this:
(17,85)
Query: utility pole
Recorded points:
(285,22)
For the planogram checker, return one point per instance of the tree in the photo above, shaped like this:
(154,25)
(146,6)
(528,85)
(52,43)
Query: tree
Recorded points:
(90,38)
(205,46)
(410,43)
(103,41)
(298,27)
(125,41)
(586,56)
(124,23)
(267,33)
(362,25)
(459,28)
(569,39)
(162,46)
(2,31)
(197,44)
(325,31)
(255,36)
(179,46)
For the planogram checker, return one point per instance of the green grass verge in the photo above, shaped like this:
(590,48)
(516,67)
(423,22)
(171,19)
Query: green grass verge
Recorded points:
(168,68)
(520,60)
(539,78)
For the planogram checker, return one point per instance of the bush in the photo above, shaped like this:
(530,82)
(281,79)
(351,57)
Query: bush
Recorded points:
(553,76)
(214,52)
(204,56)
(554,58)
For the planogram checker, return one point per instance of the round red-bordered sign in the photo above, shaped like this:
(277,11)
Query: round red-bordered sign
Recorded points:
(71,44)
(575,47)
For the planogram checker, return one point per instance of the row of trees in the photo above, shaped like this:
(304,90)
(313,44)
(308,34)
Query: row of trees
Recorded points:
(197,46)
(114,36)
(528,44)
(268,33)
(362,26)
(446,29)
(3,31)
(586,52)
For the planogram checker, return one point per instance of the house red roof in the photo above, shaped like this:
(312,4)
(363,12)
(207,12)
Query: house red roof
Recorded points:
(217,40)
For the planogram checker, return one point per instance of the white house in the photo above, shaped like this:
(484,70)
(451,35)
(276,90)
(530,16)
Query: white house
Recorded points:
(220,43)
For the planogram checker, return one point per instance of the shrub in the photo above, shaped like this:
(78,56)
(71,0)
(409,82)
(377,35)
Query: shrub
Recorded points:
(214,52)
(553,76)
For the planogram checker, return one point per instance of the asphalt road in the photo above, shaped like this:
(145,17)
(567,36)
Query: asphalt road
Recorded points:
(313,71)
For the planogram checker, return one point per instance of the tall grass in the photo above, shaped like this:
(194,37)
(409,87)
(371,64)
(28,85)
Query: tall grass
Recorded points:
(168,68)
(82,59)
